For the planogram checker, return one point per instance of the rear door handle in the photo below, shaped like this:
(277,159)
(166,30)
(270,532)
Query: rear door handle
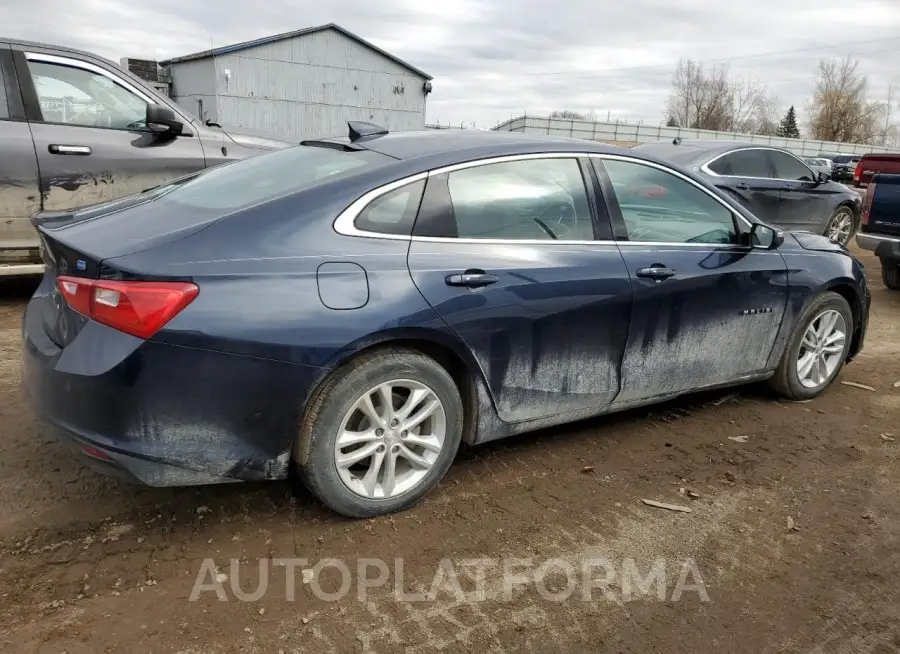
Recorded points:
(77,150)
(743,187)
(472,279)
(656,272)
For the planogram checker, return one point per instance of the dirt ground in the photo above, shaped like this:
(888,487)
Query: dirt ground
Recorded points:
(794,529)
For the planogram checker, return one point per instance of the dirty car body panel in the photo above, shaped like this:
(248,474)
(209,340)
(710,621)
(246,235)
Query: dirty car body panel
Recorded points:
(525,260)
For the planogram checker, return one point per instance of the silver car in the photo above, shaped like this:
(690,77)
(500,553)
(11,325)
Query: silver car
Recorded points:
(76,129)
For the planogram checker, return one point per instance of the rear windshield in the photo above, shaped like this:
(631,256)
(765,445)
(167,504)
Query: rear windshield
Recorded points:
(844,158)
(267,176)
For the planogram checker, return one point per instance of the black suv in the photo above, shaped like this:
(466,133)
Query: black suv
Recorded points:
(844,165)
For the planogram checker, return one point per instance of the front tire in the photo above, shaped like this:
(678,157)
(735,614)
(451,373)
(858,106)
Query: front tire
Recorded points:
(817,349)
(890,274)
(380,433)
(841,227)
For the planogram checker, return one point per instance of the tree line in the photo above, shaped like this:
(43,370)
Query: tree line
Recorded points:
(841,109)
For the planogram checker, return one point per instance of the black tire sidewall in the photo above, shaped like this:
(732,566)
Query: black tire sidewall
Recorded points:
(319,471)
(828,300)
(890,273)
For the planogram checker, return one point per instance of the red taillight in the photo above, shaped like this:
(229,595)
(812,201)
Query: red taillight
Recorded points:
(867,203)
(137,308)
(857,171)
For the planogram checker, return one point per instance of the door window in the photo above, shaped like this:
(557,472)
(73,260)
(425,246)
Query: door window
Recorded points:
(660,207)
(788,167)
(531,199)
(742,163)
(75,96)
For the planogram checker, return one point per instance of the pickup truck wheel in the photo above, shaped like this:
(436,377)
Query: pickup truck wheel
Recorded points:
(841,226)
(890,274)
(817,349)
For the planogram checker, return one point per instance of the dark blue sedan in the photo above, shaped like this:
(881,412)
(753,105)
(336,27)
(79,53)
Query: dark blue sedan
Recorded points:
(355,308)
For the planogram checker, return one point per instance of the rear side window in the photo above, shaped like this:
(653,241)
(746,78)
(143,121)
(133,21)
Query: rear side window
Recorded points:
(394,212)
(743,163)
(787,167)
(532,199)
(230,187)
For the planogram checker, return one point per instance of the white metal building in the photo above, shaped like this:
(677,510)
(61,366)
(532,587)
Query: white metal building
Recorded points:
(302,84)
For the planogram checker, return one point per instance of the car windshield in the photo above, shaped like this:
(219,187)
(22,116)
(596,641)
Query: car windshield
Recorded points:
(844,158)
(265,177)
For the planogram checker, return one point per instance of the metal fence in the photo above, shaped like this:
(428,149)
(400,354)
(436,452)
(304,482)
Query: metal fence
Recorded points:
(630,134)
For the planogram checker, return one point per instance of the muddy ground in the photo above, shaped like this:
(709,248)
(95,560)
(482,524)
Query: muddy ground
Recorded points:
(794,534)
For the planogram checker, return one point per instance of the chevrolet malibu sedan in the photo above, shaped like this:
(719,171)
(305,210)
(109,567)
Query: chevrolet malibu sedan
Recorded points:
(353,309)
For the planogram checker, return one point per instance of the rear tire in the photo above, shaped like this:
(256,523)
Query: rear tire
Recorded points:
(890,274)
(406,460)
(790,380)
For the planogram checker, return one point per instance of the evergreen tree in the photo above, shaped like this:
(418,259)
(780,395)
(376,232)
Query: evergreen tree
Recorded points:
(788,128)
(671,122)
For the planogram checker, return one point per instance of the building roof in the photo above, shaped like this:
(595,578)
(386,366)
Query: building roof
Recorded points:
(215,52)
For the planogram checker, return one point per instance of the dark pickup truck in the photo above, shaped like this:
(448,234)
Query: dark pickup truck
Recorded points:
(879,229)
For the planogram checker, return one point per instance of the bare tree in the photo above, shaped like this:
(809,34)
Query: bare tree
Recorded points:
(573,115)
(707,98)
(841,110)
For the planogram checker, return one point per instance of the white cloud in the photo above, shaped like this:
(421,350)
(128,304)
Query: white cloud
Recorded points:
(492,59)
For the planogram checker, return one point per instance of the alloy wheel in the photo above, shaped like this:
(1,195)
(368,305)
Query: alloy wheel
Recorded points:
(821,349)
(840,227)
(390,439)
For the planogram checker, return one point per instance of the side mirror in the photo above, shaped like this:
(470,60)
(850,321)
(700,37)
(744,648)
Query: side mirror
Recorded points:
(765,237)
(161,115)
(821,177)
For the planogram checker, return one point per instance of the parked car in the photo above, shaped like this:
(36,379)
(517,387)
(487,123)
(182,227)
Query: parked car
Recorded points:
(76,129)
(772,183)
(872,164)
(818,165)
(880,229)
(843,166)
(362,305)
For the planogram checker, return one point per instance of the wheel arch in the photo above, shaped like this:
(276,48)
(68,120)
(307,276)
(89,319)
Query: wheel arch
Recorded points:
(847,289)
(444,348)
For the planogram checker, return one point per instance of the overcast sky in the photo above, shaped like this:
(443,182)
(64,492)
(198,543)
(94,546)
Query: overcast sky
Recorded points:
(492,59)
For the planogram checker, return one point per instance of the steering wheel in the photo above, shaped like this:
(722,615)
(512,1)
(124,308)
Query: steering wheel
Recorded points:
(559,217)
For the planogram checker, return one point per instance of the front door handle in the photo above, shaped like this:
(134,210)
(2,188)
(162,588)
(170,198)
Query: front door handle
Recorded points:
(472,279)
(743,187)
(77,150)
(656,272)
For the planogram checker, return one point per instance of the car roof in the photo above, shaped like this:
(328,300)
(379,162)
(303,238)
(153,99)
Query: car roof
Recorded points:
(435,148)
(688,151)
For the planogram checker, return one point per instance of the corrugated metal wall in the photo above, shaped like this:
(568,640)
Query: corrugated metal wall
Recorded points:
(195,83)
(310,86)
(627,135)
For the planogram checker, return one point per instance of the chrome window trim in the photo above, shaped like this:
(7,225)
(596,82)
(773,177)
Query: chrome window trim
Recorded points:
(706,169)
(344,223)
(91,68)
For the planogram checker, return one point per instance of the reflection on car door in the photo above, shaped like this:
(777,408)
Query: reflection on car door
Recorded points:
(90,137)
(705,308)
(805,204)
(748,177)
(505,254)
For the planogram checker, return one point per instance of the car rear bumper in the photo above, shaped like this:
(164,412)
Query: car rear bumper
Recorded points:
(886,247)
(160,414)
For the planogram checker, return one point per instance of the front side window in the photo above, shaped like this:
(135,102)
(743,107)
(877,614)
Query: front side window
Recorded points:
(531,199)
(788,167)
(742,163)
(660,207)
(75,96)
